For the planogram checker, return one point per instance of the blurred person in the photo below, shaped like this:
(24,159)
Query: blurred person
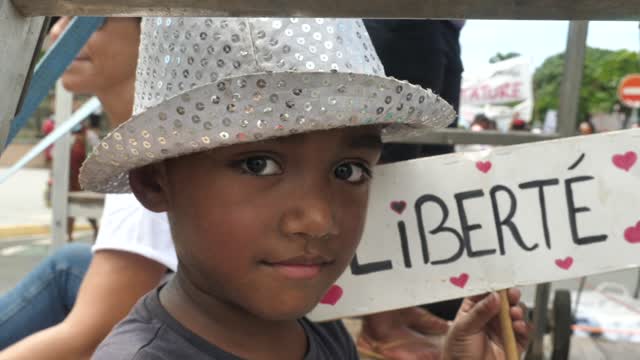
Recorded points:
(66,306)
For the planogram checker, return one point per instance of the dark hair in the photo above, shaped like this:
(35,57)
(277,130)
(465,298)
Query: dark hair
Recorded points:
(94,120)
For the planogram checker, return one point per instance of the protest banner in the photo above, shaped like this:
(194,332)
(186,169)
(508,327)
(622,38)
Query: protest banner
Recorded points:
(467,223)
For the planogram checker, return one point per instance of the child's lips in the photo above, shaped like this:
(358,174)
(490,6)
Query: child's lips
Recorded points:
(301,267)
(298,271)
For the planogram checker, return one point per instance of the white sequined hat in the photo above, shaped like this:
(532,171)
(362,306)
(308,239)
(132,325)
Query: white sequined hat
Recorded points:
(203,83)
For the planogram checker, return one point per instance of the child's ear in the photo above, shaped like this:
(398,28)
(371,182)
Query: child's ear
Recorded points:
(148,184)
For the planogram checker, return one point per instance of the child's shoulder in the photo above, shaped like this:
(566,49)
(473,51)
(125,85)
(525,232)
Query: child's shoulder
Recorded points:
(136,335)
(148,332)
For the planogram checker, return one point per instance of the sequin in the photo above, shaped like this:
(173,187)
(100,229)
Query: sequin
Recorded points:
(273,98)
(244,123)
(162,116)
(180,110)
(195,119)
(248,109)
(261,123)
(231,108)
(297,91)
(290,104)
(387,100)
(199,106)
(332,100)
(300,120)
(215,99)
(221,86)
(267,109)
(224,135)
(261,83)
(207,125)
(284,117)
(226,121)
(308,106)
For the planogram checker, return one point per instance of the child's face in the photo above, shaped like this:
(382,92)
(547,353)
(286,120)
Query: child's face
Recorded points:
(269,226)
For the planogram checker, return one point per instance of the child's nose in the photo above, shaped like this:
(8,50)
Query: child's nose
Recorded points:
(309,215)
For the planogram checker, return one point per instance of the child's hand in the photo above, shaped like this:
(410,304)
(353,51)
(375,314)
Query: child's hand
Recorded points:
(475,333)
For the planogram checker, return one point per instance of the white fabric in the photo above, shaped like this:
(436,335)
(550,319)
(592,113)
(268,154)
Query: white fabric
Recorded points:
(127,226)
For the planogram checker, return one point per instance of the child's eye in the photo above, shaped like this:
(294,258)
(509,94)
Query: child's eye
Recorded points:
(260,166)
(352,172)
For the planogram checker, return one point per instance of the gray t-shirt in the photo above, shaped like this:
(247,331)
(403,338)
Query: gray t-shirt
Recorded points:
(150,332)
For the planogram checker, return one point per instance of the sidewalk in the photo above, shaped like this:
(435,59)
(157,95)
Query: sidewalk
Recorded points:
(22,204)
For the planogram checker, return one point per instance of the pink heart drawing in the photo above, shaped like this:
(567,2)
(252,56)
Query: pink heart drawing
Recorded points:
(460,281)
(483,166)
(625,161)
(632,234)
(332,296)
(565,263)
(398,206)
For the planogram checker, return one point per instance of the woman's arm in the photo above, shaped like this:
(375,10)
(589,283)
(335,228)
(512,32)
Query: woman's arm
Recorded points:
(114,282)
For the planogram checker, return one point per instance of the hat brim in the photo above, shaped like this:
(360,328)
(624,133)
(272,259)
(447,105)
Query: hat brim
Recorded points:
(259,107)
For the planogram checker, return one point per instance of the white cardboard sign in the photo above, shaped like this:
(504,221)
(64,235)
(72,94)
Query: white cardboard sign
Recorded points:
(462,224)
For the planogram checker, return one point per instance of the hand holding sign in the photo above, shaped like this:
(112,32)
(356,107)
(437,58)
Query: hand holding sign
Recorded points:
(475,332)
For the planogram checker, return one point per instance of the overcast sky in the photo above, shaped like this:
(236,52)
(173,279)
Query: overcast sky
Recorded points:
(481,39)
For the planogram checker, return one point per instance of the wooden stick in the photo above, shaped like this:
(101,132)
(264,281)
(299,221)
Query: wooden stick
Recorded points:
(508,337)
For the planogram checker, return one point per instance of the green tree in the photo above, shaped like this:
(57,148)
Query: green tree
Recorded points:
(603,70)
(501,57)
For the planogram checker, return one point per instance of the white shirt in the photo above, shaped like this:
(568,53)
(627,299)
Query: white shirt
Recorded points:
(128,226)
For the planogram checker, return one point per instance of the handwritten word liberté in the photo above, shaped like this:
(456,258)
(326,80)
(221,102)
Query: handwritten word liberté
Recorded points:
(503,222)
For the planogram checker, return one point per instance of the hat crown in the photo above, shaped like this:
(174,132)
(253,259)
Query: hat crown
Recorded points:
(179,54)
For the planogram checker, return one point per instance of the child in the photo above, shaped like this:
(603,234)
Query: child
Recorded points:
(258,137)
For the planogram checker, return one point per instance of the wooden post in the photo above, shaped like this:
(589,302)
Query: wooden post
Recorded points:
(19,40)
(60,173)
(572,78)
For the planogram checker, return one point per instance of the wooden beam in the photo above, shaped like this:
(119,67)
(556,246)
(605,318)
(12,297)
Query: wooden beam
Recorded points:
(19,40)
(572,77)
(459,136)
(453,9)
(60,170)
